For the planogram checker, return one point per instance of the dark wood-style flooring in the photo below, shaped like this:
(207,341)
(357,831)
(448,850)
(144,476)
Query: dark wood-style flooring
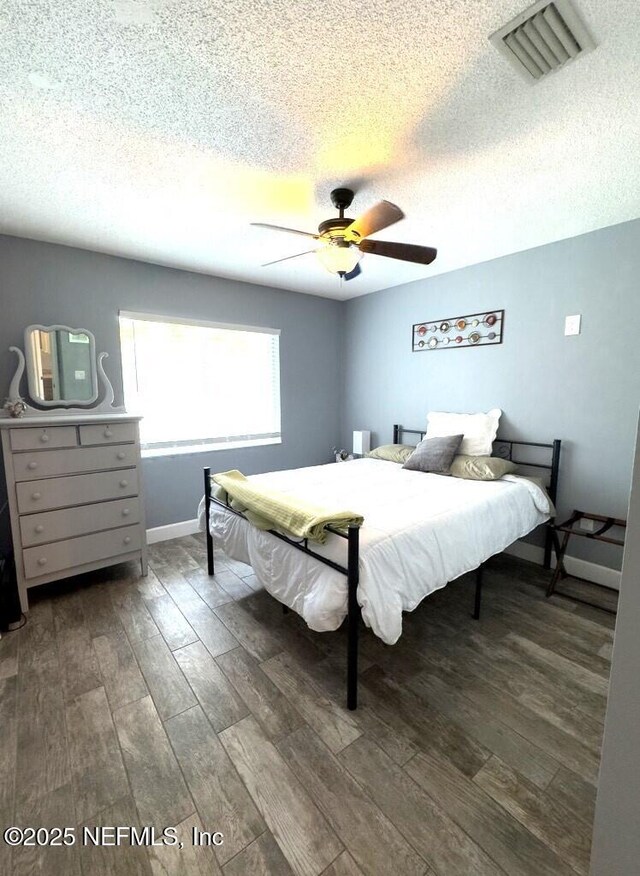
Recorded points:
(180,700)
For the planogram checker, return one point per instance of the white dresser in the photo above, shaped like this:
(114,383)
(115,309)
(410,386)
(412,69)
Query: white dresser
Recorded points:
(75,495)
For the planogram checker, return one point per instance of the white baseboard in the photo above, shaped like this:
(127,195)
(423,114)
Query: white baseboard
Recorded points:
(522,549)
(574,566)
(172,530)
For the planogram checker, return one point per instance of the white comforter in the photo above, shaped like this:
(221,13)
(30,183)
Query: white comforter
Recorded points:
(420,531)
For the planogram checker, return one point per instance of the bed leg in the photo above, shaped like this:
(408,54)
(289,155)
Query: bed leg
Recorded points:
(553,493)
(207,518)
(478,596)
(353,618)
(548,543)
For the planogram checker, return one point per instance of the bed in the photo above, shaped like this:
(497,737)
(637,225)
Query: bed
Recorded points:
(421,531)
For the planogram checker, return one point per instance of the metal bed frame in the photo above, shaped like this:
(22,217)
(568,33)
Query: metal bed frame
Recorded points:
(502,448)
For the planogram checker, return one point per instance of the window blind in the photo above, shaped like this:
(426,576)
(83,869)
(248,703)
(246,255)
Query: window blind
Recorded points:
(200,385)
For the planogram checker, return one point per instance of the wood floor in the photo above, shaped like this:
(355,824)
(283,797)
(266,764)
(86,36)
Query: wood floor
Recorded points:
(180,700)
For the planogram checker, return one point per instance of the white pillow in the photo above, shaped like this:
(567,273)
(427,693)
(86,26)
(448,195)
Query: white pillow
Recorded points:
(479,430)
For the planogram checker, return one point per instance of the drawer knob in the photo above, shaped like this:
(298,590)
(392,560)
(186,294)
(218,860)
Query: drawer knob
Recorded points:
(32,466)
(126,512)
(36,496)
(121,454)
(44,437)
(42,561)
(108,433)
(127,539)
(124,483)
(39,528)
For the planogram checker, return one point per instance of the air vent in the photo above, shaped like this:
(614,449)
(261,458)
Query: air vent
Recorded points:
(543,38)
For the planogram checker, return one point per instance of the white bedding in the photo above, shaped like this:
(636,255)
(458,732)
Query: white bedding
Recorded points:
(420,532)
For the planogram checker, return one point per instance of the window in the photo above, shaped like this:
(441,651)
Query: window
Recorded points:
(199,385)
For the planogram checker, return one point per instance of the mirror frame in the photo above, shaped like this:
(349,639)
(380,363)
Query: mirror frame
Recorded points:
(33,377)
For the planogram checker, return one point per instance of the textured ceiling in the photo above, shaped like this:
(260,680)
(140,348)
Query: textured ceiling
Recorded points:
(158,129)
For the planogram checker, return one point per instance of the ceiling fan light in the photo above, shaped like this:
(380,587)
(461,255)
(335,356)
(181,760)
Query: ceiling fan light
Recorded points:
(339,259)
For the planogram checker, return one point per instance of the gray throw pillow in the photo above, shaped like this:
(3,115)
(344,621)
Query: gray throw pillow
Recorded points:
(434,455)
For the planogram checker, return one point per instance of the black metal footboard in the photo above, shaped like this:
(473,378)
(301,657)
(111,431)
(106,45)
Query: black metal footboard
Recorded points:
(352,571)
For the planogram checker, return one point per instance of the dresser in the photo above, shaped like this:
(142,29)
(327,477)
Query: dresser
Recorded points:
(75,495)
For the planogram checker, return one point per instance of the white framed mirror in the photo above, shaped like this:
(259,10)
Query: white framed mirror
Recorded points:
(63,372)
(61,365)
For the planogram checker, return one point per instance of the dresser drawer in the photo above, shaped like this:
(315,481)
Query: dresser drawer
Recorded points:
(40,439)
(27,466)
(74,552)
(109,433)
(70,522)
(76,490)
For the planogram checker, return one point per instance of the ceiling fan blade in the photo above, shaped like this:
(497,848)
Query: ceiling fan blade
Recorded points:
(286,258)
(354,273)
(381,215)
(282,228)
(406,252)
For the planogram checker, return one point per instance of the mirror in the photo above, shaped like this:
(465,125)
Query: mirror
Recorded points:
(61,365)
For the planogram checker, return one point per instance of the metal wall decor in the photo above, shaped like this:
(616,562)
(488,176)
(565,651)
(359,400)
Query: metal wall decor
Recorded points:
(475,330)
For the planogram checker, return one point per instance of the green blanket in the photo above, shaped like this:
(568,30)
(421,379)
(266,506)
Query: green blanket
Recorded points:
(269,509)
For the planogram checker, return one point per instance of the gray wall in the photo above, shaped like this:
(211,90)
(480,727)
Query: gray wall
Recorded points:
(44,283)
(616,838)
(349,365)
(584,389)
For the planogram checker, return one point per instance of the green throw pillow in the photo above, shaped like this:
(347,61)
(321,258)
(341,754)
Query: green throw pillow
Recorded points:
(392,452)
(481,468)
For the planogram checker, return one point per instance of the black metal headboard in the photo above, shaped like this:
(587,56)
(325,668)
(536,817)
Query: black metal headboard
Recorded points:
(503,447)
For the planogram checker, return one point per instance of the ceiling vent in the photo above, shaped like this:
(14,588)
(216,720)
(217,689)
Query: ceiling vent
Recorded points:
(543,38)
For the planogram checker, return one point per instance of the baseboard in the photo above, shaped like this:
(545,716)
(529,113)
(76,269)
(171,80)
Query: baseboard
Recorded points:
(172,530)
(580,568)
(522,549)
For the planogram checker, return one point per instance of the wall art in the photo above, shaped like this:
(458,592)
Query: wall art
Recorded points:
(475,330)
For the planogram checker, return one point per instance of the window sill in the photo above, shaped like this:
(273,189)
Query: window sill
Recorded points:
(188,449)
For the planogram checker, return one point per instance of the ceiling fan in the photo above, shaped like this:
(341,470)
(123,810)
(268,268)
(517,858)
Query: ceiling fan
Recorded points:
(343,241)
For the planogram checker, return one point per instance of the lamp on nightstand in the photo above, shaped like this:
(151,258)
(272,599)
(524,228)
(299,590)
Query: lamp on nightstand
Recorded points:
(361,442)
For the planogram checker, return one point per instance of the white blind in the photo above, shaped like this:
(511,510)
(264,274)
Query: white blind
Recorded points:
(200,384)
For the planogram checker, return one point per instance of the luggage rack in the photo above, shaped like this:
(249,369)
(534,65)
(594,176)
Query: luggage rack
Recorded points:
(571,526)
